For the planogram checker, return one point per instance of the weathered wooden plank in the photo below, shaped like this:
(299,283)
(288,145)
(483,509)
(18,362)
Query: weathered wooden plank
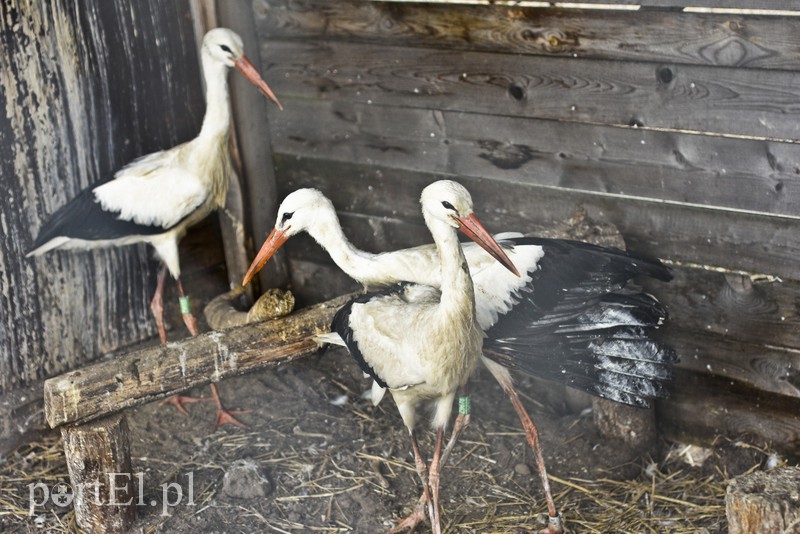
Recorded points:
(99,462)
(730,305)
(756,365)
(734,240)
(790,5)
(672,166)
(685,97)
(702,408)
(253,137)
(666,37)
(155,372)
(86,88)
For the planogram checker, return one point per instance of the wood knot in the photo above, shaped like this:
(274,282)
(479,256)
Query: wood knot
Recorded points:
(516,92)
(665,75)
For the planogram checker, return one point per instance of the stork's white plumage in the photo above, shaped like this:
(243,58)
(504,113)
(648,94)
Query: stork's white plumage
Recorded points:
(568,318)
(157,197)
(419,342)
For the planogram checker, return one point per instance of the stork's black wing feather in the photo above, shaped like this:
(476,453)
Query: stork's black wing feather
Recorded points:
(84,218)
(341,325)
(580,323)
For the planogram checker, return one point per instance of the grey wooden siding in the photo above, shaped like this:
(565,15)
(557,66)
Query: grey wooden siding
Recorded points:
(683,129)
(84,87)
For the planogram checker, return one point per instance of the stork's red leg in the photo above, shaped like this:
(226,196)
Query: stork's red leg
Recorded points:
(462,419)
(188,319)
(418,515)
(433,479)
(157,307)
(157,304)
(555,525)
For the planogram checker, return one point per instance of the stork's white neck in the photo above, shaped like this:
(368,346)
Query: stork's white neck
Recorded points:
(458,296)
(217,118)
(357,264)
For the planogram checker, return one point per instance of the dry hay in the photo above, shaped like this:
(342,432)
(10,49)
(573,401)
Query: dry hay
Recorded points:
(669,496)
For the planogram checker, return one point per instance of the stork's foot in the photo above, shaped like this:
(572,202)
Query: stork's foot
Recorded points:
(179,400)
(226,417)
(555,525)
(411,522)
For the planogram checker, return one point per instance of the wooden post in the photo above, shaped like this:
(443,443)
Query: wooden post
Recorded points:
(764,502)
(251,125)
(99,463)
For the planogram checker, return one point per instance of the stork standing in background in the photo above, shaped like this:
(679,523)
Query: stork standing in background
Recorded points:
(570,318)
(157,197)
(419,342)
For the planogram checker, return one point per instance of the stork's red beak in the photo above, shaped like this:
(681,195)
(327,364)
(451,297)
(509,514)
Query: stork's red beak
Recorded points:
(473,228)
(247,69)
(275,239)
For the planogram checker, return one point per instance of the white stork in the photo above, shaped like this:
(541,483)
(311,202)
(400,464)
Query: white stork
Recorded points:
(570,318)
(419,342)
(157,197)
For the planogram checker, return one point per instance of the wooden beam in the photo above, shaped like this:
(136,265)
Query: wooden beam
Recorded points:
(99,463)
(703,407)
(721,39)
(737,101)
(255,147)
(156,372)
(661,165)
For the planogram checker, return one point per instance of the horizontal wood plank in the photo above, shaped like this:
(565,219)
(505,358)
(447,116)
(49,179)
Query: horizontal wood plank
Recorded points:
(156,372)
(733,240)
(700,409)
(790,5)
(751,175)
(758,366)
(667,37)
(685,97)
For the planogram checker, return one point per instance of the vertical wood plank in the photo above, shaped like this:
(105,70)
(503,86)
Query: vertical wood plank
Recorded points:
(84,89)
(252,131)
(99,463)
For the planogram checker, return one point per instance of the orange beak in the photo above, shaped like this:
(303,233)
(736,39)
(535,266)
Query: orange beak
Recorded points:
(247,69)
(473,228)
(275,240)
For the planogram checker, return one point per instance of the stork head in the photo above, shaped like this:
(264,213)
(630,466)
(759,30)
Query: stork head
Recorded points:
(301,211)
(225,46)
(451,203)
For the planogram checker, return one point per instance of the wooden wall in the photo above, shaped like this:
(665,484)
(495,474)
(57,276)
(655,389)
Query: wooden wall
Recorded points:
(85,87)
(682,129)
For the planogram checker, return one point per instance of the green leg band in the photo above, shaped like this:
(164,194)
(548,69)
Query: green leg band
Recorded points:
(464,405)
(184,302)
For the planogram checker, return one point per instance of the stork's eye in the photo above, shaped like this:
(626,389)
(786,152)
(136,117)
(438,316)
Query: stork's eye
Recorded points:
(226,49)
(448,206)
(286,217)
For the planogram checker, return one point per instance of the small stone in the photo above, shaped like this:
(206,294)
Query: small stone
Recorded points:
(244,479)
(522,469)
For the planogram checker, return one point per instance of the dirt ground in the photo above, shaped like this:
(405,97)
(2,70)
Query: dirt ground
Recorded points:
(318,457)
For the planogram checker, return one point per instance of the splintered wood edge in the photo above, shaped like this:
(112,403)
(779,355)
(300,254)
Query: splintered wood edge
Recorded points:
(153,373)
